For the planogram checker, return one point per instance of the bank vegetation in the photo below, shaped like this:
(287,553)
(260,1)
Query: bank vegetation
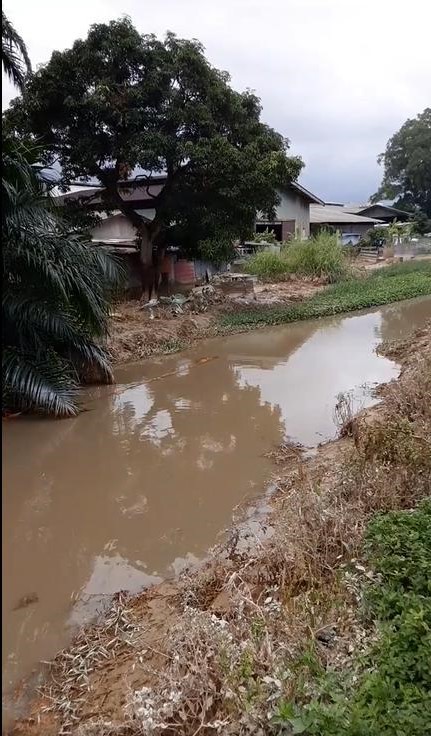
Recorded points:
(318,624)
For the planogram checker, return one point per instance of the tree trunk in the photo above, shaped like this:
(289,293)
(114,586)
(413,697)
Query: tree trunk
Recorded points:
(151,257)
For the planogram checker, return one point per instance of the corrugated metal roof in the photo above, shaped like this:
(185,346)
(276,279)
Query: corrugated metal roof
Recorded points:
(321,215)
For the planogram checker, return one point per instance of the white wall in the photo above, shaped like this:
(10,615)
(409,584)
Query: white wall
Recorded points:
(293,207)
(116,226)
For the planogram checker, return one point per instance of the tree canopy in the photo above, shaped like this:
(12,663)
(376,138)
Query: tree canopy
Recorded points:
(407,165)
(119,101)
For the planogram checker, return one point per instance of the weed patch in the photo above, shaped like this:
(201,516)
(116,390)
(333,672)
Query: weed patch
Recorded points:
(392,692)
(380,287)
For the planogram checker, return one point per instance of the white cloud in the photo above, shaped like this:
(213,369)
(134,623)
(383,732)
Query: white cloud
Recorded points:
(338,77)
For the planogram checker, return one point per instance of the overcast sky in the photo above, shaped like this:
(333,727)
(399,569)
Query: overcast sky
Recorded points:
(337,77)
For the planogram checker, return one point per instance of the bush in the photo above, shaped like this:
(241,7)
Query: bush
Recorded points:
(321,256)
(268,236)
(267,266)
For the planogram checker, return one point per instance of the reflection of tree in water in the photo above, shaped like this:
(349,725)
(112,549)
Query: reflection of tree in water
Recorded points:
(160,494)
(197,415)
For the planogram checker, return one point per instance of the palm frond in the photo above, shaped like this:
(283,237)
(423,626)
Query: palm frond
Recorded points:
(15,58)
(56,295)
(38,383)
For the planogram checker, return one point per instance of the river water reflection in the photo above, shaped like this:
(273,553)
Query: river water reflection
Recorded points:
(147,477)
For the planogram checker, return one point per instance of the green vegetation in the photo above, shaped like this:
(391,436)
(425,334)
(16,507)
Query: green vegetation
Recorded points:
(388,691)
(158,105)
(407,166)
(56,289)
(55,300)
(267,266)
(389,284)
(15,60)
(321,256)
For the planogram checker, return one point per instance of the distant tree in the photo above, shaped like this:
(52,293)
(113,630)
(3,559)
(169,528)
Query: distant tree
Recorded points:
(407,166)
(119,100)
(14,56)
(421,223)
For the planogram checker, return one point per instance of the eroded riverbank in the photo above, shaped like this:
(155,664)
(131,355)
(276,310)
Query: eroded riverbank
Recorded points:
(269,368)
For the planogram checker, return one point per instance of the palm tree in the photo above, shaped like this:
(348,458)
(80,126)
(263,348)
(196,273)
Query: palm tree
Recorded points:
(15,59)
(56,291)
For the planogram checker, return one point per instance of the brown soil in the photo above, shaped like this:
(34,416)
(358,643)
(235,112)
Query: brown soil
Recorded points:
(136,331)
(92,681)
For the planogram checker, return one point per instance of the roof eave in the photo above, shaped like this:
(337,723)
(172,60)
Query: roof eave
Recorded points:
(312,198)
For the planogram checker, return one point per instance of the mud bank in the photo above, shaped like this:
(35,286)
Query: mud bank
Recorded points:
(137,332)
(207,653)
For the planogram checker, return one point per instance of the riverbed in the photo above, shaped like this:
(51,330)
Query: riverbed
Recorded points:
(146,479)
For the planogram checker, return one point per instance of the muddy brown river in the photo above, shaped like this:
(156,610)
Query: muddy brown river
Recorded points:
(147,478)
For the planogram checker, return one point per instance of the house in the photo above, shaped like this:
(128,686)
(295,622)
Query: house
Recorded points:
(379,211)
(335,217)
(292,216)
(116,232)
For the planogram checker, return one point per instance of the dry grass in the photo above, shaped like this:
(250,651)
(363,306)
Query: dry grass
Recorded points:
(250,627)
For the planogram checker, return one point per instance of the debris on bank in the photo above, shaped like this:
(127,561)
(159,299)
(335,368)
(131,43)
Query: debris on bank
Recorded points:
(239,645)
(173,322)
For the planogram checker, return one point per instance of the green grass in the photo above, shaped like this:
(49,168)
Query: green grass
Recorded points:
(267,266)
(388,693)
(321,256)
(383,286)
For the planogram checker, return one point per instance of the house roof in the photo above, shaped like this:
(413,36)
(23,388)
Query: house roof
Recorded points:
(334,215)
(135,190)
(359,208)
(312,198)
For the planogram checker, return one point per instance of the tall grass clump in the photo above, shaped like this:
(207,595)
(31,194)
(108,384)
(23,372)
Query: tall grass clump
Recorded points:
(268,266)
(321,256)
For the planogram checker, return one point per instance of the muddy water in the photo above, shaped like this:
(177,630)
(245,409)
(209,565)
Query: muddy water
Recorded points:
(145,479)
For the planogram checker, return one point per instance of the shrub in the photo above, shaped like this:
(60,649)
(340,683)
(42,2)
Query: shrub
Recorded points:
(267,266)
(321,256)
(268,236)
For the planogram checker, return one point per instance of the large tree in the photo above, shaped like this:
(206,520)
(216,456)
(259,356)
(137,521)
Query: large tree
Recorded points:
(119,100)
(407,165)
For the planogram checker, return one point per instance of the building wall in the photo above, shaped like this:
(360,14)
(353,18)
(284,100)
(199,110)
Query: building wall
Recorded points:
(116,226)
(294,212)
(294,207)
